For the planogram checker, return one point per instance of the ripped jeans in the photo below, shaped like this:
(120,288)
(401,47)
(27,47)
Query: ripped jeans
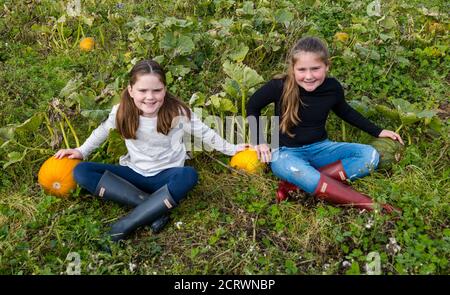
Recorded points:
(298,165)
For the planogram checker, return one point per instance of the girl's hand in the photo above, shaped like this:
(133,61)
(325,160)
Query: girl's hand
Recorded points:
(243,147)
(392,135)
(70,153)
(264,153)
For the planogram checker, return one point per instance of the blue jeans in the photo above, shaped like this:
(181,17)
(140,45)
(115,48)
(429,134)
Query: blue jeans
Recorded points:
(298,165)
(179,180)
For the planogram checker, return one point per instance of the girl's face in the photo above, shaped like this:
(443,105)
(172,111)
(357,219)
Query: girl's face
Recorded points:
(309,70)
(148,94)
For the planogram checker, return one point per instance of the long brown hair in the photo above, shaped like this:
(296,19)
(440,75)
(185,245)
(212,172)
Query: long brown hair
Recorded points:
(290,98)
(127,118)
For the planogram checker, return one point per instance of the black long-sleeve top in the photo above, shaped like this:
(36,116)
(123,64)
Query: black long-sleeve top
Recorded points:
(313,114)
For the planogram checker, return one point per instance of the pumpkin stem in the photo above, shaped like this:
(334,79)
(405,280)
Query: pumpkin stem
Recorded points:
(77,142)
(48,124)
(78,35)
(344,133)
(56,185)
(71,129)
(64,135)
(243,110)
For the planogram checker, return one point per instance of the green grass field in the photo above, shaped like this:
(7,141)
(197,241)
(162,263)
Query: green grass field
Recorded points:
(391,56)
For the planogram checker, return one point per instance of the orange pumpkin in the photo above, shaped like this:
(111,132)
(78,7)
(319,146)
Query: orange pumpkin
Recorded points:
(56,177)
(87,44)
(247,160)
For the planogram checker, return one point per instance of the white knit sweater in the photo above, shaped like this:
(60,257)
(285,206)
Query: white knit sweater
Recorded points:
(153,152)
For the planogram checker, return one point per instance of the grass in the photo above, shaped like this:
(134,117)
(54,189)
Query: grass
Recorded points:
(230,224)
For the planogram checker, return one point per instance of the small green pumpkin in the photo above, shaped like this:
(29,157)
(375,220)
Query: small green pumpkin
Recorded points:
(390,151)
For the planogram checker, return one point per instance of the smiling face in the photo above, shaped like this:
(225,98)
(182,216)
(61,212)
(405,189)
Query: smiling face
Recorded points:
(309,70)
(148,94)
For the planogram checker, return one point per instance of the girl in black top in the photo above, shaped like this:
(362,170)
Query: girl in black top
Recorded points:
(305,158)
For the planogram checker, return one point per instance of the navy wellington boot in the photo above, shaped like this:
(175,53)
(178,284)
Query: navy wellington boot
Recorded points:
(114,188)
(156,206)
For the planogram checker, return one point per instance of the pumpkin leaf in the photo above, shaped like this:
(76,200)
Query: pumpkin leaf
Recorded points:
(30,125)
(388,23)
(88,20)
(110,90)
(146,37)
(403,61)
(179,70)
(247,9)
(215,100)
(95,115)
(363,106)
(185,45)
(72,99)
(180,45)
(284,16)
(7,133)
(387,36)
(374,8)
(435,124)
(41,29)
(384,110)
(242,74)
(197,99)
(71,86)
(409,114)
(403,105)
(14,157)
(238,54)
(364,52)
(226,105)
(169,78)
(231,87)
(348,54)
(176,22)
(409,118)
(426,114)
(159,59)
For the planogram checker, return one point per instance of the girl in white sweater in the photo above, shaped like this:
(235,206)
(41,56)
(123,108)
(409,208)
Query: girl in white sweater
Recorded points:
(151,177)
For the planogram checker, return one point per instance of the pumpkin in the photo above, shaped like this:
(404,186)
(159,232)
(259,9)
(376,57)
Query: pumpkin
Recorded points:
(390,151)
(87,44)
(341,36)
(247,160)
(56,176)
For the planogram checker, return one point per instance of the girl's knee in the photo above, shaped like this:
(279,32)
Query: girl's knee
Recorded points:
(372,156)
(191,174)
(80,172)
(182,181)
(367,162)
(188,175)
(279,164)
(304,177)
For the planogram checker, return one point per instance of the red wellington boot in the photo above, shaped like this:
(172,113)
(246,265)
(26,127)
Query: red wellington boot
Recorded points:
(284,188)
(335,170)
(335,192)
